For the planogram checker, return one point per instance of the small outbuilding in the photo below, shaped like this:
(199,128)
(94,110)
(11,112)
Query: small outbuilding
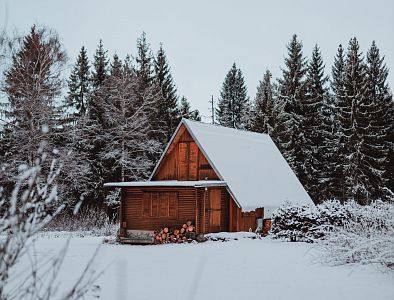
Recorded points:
(221,179)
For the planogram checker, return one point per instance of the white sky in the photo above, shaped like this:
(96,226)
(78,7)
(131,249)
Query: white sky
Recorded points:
(203,38)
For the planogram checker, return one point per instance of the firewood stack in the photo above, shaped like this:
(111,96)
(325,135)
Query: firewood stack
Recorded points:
(187,233)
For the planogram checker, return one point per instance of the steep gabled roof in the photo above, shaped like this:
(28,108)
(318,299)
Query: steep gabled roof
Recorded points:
(255,171)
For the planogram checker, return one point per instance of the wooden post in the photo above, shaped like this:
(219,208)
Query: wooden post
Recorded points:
(197,221)
(231,215)
(203,210)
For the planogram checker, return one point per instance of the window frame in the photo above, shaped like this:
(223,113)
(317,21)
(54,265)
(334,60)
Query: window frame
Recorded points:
(152,205)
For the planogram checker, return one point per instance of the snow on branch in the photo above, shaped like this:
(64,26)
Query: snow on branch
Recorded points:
(31,206)
(349,232)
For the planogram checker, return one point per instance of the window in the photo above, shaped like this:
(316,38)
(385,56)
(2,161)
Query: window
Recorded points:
(187,161)
(160,204)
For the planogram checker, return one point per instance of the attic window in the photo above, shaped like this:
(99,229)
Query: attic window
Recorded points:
(160,205)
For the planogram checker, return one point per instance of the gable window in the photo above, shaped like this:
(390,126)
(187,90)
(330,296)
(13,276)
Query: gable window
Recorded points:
(160,205)
(187,161)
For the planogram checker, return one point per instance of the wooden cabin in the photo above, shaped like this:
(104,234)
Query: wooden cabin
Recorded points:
(221,179)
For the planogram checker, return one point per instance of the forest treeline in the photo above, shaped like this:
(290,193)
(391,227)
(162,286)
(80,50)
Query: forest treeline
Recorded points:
(112,117)
(336,132)
(111,125)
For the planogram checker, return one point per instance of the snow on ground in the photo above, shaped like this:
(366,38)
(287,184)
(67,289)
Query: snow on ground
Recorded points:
(242,268)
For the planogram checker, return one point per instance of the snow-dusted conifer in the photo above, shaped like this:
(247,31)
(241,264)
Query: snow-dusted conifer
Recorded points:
(144,66)
(100,70)
(354,121)
(90,138)
(287,133)
(340,107)
(147,89)
(186,112)
(377,126)
(263,119)
(317,130)
(233,106)
(168,107)
(79,84)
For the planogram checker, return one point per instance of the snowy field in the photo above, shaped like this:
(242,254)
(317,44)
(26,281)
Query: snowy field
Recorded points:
(239,269)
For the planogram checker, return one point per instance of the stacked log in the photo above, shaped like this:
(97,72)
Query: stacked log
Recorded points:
(186,233)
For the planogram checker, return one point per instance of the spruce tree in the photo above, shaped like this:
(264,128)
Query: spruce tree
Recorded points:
(340,107)
(144,67)
(100,64)
(287,133)
(116,67)
(167,108)
(263,119)
(317,130)
(186,112)
(390,141)
(233,105)
(79,84)
(91,129)
(378,126)
(353,120)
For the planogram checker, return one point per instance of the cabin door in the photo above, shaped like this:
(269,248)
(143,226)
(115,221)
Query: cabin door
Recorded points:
(214,210)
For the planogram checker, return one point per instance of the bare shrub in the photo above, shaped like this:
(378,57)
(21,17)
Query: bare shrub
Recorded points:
(31,206)
(90,220)
(349,232)
(365,238)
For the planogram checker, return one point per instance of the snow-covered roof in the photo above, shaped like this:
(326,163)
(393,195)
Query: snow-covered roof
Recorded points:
(199,183)
(255,171)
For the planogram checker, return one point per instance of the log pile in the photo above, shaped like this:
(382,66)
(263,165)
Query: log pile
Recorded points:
(185,234)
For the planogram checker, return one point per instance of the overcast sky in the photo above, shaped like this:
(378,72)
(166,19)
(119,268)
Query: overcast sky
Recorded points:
(203,38)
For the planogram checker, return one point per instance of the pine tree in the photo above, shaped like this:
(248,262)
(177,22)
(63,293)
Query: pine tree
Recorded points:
(263,119)
(317,130)
(186,112)
(287,133)
(168,108)
(378,126)
(100,64)
(79,84)
(233,105)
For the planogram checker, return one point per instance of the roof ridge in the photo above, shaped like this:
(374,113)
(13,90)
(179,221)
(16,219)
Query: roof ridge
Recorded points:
(225,127)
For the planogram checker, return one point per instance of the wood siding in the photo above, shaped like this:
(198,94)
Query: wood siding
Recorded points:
(154,208)
(137,216)
(184,161)
(243,221)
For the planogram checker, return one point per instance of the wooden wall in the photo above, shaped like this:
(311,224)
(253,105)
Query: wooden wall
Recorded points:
(184,161)
(133,208)
(243,221)
(192,204)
